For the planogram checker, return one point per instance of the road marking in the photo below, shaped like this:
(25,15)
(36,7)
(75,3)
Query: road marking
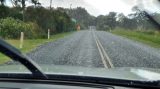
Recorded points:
(104,56)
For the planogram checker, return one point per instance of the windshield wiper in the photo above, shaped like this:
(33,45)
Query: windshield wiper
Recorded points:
(16,55)
(153,21)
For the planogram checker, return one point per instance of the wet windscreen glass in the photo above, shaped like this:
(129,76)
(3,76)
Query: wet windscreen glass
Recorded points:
(106,38)
(9,66)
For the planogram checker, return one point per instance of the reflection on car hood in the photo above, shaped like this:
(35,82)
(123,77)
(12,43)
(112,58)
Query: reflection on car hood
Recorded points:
(142,74)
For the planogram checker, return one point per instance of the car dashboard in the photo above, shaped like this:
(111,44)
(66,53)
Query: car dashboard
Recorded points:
(29,85)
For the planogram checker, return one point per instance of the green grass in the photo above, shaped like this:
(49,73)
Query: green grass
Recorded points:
(151,38)
(31,44)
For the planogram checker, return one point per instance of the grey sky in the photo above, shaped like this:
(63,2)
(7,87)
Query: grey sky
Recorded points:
(94,7)
(98,7)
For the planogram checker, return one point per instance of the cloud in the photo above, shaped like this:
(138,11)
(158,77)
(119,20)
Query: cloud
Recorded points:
(106,6)
(103,7)
(94,7)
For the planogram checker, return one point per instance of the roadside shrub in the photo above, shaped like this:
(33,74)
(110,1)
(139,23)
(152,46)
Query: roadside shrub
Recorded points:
(10,28)
(149,32)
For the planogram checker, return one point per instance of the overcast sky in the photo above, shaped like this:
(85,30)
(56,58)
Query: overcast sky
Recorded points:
(98,7)
(94,7)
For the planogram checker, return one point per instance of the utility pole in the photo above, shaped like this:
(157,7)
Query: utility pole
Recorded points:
(69,11)
(70,6)
(50,4)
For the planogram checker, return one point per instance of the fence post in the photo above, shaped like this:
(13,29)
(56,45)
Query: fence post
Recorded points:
(21,40)
(48,33)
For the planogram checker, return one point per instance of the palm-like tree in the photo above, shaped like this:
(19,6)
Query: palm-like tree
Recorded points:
(2,2)
(36,2)
(15,2)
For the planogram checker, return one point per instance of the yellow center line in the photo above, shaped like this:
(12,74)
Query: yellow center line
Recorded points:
(104,56)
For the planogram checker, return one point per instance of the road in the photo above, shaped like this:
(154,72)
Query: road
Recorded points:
(81,49)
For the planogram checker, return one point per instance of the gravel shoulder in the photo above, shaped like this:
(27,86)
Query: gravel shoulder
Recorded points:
(127,53)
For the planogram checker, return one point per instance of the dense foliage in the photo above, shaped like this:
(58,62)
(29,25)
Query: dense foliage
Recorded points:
(11,28)
(55,20)
(33,20)
(82,16)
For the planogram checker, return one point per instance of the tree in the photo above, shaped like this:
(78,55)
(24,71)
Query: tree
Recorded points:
(57,20)
(82,16)
(100,23)
(2,2)
(107,22)
(141,19)
(4,11)
(111,20)
(15,3)
(121,17)
(36,2)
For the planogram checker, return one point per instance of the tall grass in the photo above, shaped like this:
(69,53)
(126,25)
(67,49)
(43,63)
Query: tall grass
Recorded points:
(31,44)
(149,37)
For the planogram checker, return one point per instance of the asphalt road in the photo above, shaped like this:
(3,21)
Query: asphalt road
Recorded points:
(80,49)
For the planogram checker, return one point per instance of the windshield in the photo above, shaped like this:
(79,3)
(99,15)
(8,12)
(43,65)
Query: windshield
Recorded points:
(106,38)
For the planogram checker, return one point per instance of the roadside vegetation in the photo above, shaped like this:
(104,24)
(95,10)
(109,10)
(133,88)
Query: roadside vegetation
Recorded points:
(150,37)
(30,44)
(35,21)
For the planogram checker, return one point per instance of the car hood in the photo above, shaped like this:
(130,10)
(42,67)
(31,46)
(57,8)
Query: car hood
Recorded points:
(127,73)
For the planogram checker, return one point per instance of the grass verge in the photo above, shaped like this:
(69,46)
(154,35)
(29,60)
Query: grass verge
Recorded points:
(30,44)
(151,38)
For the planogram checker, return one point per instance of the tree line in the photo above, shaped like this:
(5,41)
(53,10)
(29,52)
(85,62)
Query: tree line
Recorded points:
(34,20)
(138,20)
